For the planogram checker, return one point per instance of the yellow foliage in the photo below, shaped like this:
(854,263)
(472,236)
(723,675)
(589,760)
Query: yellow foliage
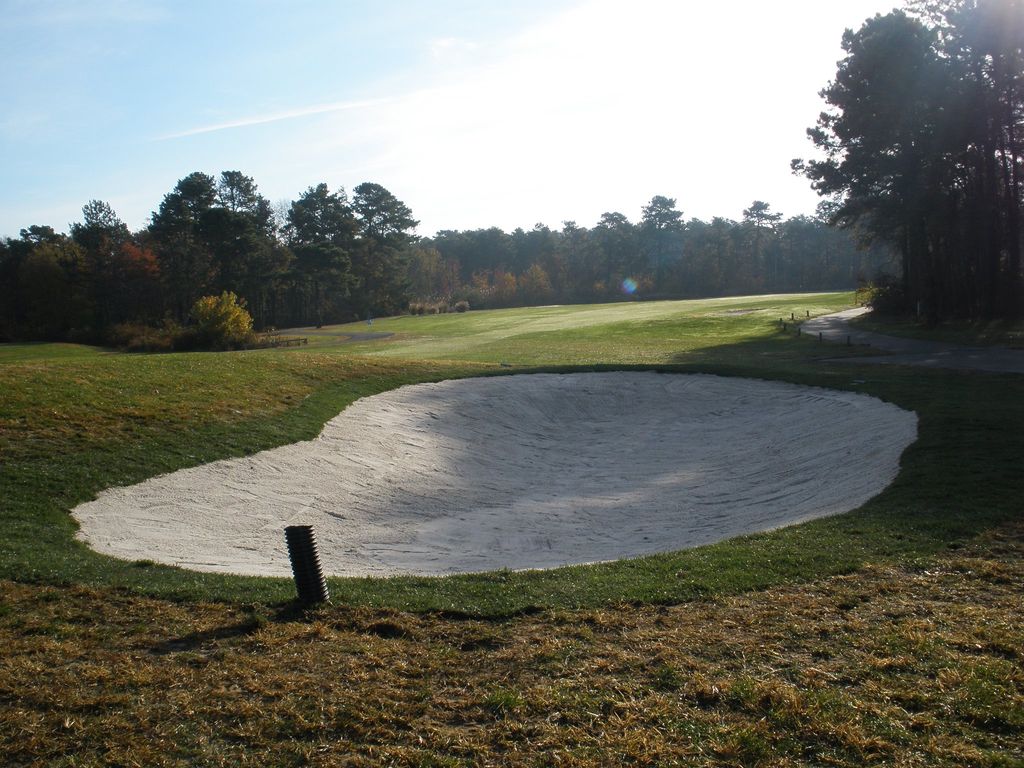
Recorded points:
(222,320)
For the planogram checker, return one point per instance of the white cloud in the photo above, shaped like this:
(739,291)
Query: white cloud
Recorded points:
(274,117)
(600,108)
(446,47)
(596,108)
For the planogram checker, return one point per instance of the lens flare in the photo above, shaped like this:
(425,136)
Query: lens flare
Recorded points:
(629,286)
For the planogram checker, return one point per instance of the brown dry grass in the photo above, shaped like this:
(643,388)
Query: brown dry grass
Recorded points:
(889,666)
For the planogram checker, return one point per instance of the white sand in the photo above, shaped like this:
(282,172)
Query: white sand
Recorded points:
(519,472)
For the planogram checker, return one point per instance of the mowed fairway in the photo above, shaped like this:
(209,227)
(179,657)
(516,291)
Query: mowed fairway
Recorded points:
(890,635)
(626,333)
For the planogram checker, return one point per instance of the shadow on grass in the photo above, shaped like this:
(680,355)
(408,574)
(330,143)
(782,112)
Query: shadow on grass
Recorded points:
(196,641)
(254,620)
(960,478)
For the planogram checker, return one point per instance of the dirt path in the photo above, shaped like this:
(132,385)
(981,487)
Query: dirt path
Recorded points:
(931,354)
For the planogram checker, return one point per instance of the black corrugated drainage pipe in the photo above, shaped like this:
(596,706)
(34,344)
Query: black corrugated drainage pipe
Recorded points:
(309,577)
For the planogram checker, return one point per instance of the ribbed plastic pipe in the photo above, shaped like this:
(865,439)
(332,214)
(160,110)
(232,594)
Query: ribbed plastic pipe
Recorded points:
(309,576)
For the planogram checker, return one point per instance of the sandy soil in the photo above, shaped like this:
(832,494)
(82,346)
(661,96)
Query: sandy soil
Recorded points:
(519,472)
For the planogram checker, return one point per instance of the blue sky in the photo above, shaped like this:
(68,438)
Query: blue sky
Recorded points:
(474,113)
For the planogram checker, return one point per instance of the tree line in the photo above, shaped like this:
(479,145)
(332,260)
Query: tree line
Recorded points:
(921,168)
(922,149)
(327,257)
(661,256)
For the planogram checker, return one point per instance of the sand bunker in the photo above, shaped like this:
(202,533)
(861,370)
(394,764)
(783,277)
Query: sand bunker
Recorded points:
(519,472)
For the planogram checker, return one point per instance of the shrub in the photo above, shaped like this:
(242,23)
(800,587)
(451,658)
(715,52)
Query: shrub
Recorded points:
(221,322)
(884,295)
(477,297)
(462,306)
(137,337)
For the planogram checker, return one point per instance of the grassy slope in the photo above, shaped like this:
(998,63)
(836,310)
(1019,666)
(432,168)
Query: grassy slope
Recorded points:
(47,353)
(68,431)
(913,657)
(890,666)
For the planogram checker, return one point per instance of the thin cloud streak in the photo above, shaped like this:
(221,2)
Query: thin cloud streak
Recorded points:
(275,117)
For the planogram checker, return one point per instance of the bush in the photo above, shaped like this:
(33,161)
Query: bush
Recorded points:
(884,295)
(462,306)
(136,337)
(434,307)
(221,322)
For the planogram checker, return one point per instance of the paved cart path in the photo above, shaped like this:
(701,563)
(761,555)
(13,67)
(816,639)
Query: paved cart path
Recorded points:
(931,354)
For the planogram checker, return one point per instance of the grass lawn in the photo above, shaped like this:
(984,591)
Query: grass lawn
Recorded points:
(887,635)
(654,333)
(47,353)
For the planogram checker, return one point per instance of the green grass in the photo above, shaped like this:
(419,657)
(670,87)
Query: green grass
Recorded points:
(887,636)
(588,334)
(39,352)
(71,429)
